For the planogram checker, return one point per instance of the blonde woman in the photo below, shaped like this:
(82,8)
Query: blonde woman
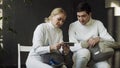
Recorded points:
(47,39)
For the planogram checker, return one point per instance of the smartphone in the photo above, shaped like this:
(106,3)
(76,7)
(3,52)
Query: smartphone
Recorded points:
(69,43)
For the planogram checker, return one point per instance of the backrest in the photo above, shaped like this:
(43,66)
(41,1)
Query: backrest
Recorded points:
(22,48)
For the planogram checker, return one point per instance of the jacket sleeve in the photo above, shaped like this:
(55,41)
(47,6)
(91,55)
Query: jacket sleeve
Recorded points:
(104,35)
(38,41)
(72,38)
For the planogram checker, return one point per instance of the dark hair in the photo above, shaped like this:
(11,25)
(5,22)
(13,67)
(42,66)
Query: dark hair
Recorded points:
(84,6)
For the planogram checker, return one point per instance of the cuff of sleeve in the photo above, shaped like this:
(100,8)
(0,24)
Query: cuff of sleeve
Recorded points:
(84,44)
(48,49)
(76,47)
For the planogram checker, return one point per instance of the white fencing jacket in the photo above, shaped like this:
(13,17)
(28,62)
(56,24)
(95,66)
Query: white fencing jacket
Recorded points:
(44,35)
(79,32)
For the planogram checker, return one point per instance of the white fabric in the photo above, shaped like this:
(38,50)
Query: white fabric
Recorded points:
(102,64)
(79,32)
(34,62)
(84,54)
(44,35)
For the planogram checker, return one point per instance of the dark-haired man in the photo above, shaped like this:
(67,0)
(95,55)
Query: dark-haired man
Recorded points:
(86,32)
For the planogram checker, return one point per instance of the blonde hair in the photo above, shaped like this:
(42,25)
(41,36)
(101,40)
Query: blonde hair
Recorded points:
(54,12)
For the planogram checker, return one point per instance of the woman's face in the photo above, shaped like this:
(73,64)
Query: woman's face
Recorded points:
(58,20)
(83,17)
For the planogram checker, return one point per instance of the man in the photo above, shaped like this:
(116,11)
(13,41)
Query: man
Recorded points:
(86,32)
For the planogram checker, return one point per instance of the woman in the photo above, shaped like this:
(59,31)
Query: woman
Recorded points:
(47,39)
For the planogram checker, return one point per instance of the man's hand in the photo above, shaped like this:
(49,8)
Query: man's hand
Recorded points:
(93,41)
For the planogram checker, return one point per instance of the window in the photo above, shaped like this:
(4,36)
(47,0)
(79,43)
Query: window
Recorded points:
(115,4)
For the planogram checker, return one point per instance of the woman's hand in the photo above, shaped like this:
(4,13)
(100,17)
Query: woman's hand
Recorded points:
(66,49)
(55,47)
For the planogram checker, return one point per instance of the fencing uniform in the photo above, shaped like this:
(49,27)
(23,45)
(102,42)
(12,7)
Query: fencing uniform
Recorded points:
(79,33)
(44,35)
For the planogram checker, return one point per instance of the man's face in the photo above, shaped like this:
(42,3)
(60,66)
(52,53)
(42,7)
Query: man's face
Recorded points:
(83,17)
